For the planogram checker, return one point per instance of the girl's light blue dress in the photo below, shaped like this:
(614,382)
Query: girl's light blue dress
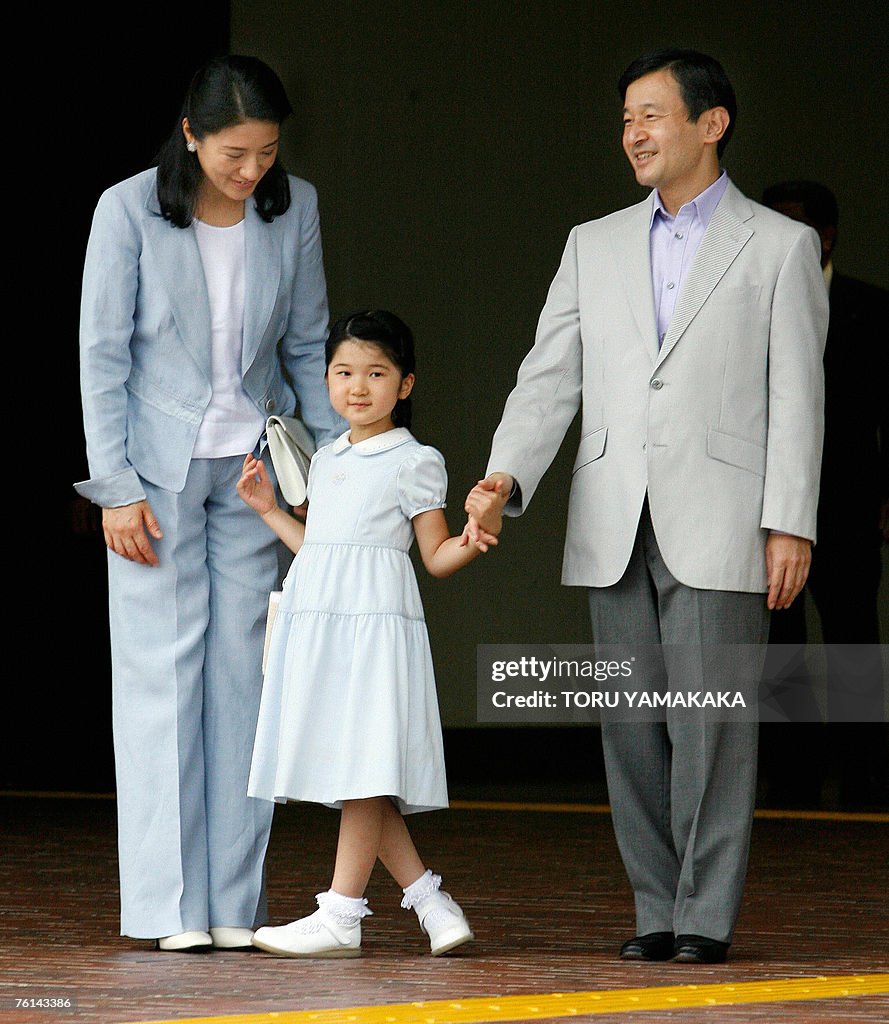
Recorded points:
(349,706)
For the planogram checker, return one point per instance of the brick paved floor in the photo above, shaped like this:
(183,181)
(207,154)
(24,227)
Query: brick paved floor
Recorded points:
(545,892)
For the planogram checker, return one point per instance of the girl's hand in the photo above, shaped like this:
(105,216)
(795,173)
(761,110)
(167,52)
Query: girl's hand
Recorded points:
(127,529)
(255,487)
(258,492)
(473,535)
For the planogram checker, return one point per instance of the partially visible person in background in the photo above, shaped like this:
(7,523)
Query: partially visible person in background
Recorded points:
(204,309)
(853,523)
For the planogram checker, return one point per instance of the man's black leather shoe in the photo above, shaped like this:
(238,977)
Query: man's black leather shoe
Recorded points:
(653,946)
(697,949)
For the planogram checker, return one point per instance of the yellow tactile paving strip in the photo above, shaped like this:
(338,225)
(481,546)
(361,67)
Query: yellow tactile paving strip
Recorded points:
(571,1004)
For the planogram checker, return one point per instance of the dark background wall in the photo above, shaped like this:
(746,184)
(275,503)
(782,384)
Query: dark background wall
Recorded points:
(453,146)
(97,90)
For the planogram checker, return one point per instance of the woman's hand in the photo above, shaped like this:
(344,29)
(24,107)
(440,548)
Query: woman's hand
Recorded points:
(127,529)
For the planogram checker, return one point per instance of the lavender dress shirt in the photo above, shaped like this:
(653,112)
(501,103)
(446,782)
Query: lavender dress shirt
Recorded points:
(674,243)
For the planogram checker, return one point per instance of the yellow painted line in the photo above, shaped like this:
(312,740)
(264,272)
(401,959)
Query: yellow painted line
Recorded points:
(56,794)
(507,805)
(877,816)
(517,805)
(570,1004)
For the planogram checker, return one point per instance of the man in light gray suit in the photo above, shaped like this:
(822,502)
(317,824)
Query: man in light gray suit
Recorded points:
(689,329)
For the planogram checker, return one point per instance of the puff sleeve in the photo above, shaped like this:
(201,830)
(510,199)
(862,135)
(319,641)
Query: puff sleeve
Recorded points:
(422,482)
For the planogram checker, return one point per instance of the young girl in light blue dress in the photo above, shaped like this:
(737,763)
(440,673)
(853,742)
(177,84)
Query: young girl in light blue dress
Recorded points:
(349,715)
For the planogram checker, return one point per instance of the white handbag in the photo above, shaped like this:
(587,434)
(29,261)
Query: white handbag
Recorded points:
(291,448)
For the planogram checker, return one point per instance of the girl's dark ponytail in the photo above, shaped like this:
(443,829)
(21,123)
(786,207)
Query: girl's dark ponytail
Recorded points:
(401,414)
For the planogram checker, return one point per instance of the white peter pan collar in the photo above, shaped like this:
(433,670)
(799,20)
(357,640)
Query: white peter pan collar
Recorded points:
(371,445)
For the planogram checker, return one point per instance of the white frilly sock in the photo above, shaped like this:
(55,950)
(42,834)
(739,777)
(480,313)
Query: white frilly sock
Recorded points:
(345,910)
(424,887)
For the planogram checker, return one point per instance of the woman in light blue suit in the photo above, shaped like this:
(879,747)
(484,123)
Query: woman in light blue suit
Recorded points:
(204,310)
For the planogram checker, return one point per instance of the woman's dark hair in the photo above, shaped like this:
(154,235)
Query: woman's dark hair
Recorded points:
(703,83)
(224,92)
(389,333)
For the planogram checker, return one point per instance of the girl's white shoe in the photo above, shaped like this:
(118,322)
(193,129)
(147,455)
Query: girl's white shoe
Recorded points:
(334,930)
(439,914)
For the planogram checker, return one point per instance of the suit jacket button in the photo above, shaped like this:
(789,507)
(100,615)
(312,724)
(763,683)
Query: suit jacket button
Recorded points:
(657,384)
(270,405)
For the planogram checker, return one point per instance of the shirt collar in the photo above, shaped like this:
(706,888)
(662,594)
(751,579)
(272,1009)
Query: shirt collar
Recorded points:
(371,445)
(704,204)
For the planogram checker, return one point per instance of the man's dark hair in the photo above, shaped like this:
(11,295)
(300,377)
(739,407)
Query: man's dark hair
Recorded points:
(818,202)
(703,84)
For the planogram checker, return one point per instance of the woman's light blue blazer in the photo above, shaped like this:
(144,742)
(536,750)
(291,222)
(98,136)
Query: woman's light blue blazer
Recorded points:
(145,335)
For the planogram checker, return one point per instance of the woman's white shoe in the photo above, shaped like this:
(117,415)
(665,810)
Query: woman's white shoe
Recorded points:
(232,938)
(186,942)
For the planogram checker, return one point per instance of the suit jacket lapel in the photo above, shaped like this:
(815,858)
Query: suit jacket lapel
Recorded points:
(726,235)
(263,275)
(179,263)
(632,250)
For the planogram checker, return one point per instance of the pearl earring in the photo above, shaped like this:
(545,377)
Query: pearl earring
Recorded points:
(191,146)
